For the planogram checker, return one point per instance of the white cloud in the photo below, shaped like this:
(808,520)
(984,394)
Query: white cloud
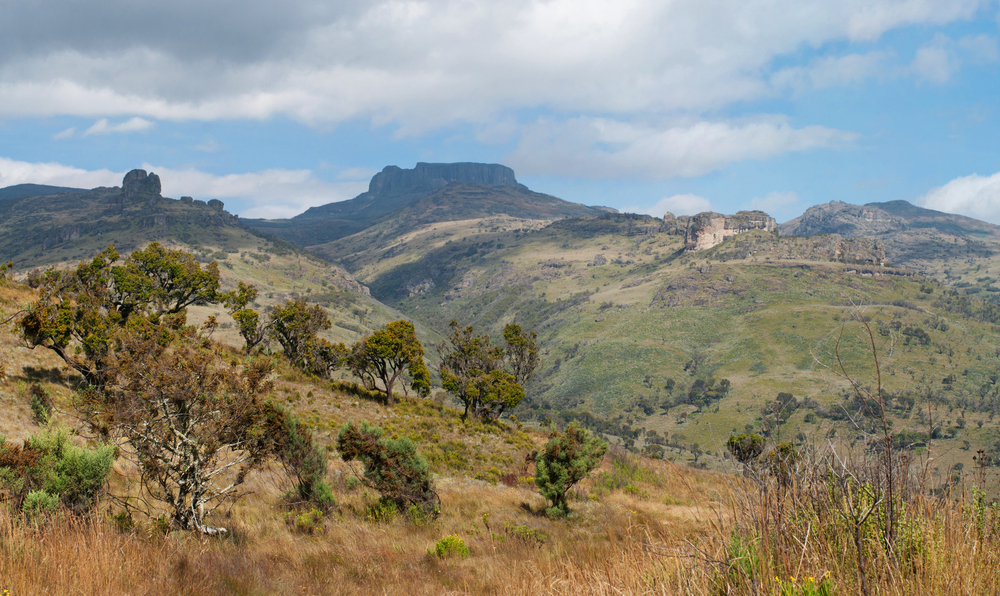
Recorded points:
(936,61)
(66,134)
(423,64)
(686,204)
(270,193)
(20,172)
(834,71)
(974,196)
(273,193)
(102,127)
(597,148)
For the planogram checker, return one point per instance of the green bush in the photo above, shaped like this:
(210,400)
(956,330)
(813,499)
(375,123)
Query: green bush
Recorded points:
(392,466)
(451,545)
(567,459)
(41,404)
(75,474)
(48,463)
(39,502)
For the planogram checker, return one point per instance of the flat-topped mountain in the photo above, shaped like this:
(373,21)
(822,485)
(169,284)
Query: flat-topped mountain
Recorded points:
(469,190)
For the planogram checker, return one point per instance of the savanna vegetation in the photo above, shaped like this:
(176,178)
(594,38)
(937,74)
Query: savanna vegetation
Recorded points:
(135,438)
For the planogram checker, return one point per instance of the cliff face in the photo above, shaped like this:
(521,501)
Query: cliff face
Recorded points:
(433,176)
(706,230)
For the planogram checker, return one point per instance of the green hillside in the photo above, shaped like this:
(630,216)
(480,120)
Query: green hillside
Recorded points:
(639,333)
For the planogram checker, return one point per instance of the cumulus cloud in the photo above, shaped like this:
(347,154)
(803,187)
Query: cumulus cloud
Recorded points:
(273,193)
(975,196)
(423,64)
(684,204)
(54,174)
(599,147)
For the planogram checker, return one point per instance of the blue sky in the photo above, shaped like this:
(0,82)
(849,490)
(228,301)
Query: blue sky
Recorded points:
(642,105)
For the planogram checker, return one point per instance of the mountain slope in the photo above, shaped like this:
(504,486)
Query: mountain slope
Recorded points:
(460,191)
(33,190)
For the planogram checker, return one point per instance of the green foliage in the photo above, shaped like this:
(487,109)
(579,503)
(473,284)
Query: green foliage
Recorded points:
(487,378)
(451,545)
(79,312)
(746,447)
(385,355)
(41,404)
(50,463)
(566,459)
(38,503)
(392,467)
(302,458)
(309,521)
(296,325)
(253,331)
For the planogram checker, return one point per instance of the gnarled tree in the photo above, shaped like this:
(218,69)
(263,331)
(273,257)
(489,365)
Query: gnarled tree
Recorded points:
(385,355)
(487,378)
(194,425)
(296,326)
(79,311)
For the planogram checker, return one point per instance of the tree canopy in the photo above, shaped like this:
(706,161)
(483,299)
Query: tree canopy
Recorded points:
(487,378)
(385,355)
(79,311)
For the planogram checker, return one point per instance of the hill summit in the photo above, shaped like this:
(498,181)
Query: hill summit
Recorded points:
(474,189)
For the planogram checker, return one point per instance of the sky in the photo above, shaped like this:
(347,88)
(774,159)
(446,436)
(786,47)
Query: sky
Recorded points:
(647,106)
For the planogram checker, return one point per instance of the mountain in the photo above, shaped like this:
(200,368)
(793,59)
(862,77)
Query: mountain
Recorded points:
(837,217)
(473,189)
(33,190)
(957,250)
(69,226)
(639,319)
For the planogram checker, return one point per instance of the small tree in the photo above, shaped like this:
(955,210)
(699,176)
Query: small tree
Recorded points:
(567,459)
(302,458)
(253,330)
(296,326)
(385,355)
(79,311)
(487,379)
(392,467)
(746,448)
(194,425)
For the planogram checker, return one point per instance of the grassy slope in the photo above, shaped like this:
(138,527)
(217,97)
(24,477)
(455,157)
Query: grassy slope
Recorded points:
(767,321)
(639,526)
(348,551)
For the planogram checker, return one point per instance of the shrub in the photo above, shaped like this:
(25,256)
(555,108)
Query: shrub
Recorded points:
(392,467)
(48,463)
(567,459)
(451,545)
(39,502)
(41,404)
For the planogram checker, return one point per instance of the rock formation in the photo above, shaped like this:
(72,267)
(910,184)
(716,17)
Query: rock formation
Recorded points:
(138,184)
(432,176)
(705,230)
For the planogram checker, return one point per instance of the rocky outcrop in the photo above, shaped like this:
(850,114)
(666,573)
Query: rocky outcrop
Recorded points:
(431,176)
(137,184)
(707,230)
